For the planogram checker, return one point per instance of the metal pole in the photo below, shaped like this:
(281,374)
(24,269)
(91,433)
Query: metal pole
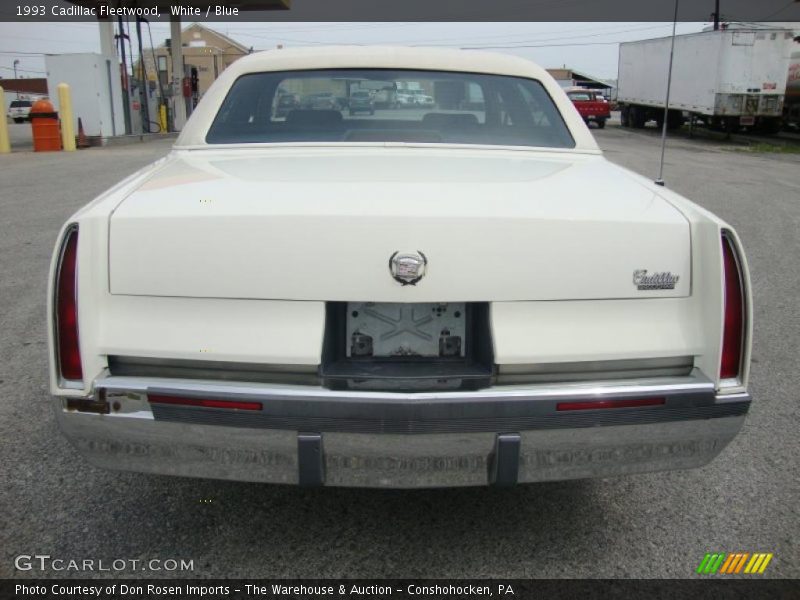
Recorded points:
(144,96)
(126,106)
(16,62)
(716,15)
(179,111)
(5,140)
(660,180)
(111,98)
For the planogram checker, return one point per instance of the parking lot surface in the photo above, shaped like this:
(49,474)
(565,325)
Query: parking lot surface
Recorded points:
(20,135)
(652,525)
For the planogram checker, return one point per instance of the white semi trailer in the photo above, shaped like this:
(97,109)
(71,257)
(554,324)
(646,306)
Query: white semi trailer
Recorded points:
(728,79)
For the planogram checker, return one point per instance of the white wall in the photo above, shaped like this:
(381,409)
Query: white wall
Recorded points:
(88,77)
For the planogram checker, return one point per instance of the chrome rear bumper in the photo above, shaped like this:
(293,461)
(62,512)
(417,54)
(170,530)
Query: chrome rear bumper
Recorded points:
(314,436)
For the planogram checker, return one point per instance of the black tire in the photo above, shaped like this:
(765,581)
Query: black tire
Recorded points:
(624,117)
(675,119)
(19,120)
(633,117)
(731,125)
(769,126)
(637,117)
(601,123)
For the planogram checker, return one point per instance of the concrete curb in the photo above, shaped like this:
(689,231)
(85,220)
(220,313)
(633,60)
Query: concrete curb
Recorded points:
(124,140)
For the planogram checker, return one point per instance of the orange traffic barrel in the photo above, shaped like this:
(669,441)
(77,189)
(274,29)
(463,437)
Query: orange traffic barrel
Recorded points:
(46,132)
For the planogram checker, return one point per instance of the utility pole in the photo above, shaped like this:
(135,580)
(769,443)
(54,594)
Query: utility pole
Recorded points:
(16,62)
(144,99)
(716,15)
(126,90)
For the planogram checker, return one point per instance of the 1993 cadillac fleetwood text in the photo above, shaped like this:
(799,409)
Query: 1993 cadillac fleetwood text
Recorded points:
(105,11)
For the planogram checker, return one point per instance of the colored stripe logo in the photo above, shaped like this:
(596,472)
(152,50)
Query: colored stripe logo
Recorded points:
(734,563)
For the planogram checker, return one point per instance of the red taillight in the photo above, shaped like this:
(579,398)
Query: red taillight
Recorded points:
(733,331)
(594,404)
(204,402)
(66,310)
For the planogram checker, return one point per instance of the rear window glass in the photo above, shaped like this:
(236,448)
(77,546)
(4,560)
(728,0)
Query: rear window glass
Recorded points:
(405,106)
(580,96)
(20,104)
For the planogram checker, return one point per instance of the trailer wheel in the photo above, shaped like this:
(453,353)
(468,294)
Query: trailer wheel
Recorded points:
(731,125)
(769,126)
(675,119)
(637,117)
(601,123)
(624,117)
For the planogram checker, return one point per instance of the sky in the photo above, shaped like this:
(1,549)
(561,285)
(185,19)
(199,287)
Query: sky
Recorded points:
(586,47)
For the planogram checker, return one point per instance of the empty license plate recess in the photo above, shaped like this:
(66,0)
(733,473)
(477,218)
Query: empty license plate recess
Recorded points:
(378,329)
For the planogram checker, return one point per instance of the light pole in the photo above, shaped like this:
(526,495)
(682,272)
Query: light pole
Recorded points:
(16,62)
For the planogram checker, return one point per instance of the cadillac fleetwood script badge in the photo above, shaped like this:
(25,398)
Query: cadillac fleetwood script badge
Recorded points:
(408,267)
(654,281)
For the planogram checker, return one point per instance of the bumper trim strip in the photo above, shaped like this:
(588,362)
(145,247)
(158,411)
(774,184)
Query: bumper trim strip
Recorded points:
(498,409)
(413,424)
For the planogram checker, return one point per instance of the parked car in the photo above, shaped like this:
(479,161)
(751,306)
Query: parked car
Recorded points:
(361,101)
(385,97)
(405,99)
(422,99)
(442,299)
(414,98)
(20,110)
(322,101)
(591,106)
(286,103)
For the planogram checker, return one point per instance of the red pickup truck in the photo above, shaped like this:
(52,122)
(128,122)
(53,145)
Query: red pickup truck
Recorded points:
(591,106)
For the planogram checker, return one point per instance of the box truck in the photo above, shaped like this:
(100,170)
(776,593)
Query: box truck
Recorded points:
(727,79)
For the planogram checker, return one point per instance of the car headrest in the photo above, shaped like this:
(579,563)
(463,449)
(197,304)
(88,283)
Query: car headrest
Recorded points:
(314,118)
(450,120)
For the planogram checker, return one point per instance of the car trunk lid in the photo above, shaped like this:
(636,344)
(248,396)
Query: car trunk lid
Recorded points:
(322,224)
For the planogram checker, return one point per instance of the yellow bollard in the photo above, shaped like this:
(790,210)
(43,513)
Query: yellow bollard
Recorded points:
(5,142)
(162,117)
(67,119)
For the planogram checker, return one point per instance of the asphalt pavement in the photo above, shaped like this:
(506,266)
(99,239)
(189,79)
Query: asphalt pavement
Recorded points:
(20,135)
(651,525)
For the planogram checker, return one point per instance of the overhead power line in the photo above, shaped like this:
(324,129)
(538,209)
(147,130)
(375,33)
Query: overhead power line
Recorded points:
(457,41)
(22,70)
(780,10)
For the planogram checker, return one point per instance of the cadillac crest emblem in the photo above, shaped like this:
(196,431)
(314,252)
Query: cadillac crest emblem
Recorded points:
(408,267)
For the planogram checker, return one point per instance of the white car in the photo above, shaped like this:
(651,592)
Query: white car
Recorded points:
(19,110)
(446,299)
(405,98)
(422,99)
(414,98)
